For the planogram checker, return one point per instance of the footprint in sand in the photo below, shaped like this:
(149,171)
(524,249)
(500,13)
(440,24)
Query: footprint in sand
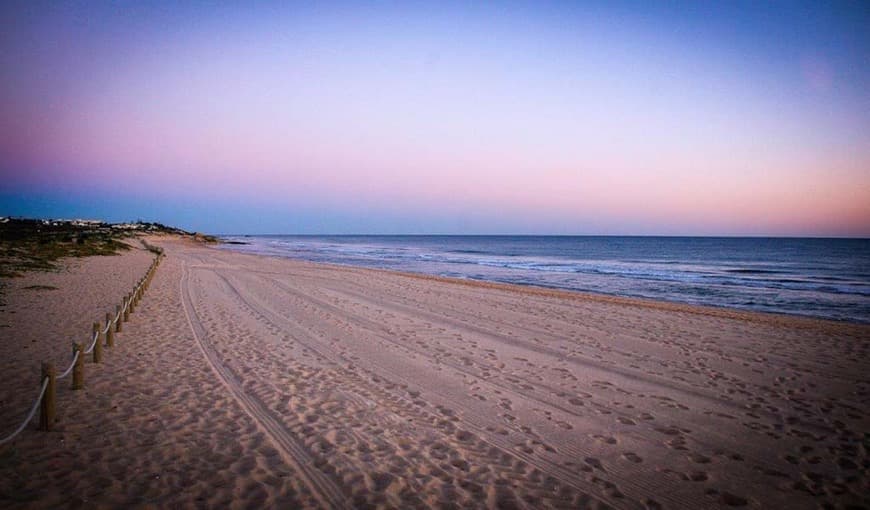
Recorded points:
(594,462)
(632,457)
(698,458)
(732,499)
(464,435)
(605,439)
(652,504)
(698,476)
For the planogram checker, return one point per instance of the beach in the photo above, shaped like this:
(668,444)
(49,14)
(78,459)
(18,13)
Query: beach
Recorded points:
(245,381)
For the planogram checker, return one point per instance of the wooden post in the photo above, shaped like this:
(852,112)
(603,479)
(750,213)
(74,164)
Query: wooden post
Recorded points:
(46,415)
(98,345)
(120,317)
(127,310)
(110,335)
(79,367)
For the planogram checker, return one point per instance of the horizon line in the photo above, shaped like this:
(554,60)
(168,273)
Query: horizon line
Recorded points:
(707,236)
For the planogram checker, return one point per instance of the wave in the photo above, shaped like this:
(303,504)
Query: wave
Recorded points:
(786,281)
(754,271)
(472,252)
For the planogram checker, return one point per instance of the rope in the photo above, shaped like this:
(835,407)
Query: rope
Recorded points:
(71,365)
(113,321)
(96,337)
(69,369)
(11,436)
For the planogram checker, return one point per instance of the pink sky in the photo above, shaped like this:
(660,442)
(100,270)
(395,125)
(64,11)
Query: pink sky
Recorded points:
(552,122)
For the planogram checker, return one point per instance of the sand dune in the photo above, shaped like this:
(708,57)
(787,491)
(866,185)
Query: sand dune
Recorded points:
(245,381)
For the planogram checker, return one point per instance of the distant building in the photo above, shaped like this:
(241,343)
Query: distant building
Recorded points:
(85,223)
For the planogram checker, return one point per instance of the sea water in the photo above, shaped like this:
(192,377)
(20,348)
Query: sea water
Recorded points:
(827,278)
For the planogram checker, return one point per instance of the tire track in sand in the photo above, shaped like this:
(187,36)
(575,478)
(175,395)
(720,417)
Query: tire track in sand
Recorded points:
(566,476)
(322,487)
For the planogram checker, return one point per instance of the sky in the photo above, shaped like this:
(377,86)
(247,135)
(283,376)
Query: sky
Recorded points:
(622,118)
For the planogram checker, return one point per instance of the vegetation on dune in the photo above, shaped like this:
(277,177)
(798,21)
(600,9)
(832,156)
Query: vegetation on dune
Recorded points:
(37,245)
(205,238)
(30,245)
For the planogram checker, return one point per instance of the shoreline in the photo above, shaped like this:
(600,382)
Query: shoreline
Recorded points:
(562,293)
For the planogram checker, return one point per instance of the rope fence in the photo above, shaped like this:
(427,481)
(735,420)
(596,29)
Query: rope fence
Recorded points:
(48,378)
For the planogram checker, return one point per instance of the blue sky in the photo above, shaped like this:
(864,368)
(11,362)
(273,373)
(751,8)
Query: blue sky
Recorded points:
(697,118)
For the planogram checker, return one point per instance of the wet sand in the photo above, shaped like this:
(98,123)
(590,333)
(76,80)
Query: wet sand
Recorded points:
(246,381)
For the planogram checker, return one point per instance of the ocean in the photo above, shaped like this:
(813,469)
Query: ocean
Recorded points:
(826,278)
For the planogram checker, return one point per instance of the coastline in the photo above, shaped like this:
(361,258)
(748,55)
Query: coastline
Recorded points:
(255,380)
(814,278)
(792,319)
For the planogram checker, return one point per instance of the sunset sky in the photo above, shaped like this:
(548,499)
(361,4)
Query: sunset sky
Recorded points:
(672,118)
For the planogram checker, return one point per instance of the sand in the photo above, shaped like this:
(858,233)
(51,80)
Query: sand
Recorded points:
(246,382)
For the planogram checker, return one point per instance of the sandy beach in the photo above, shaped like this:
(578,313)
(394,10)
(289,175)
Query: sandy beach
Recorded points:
(244,381)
